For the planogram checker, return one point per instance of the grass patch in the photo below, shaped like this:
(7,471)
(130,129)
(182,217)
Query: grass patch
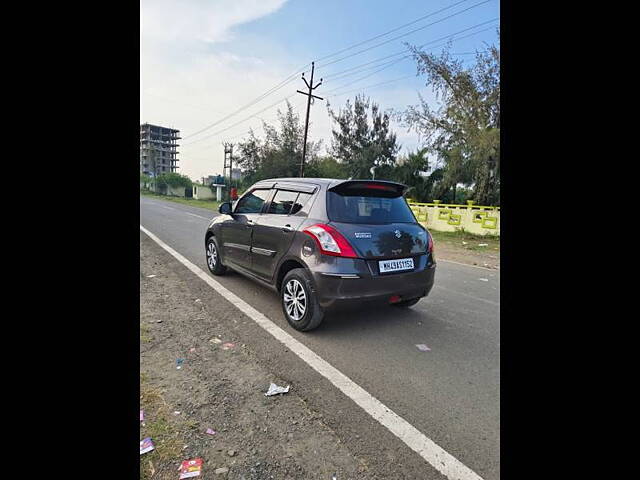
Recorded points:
(471,240)
(162,429)
(144,333)
(208,204)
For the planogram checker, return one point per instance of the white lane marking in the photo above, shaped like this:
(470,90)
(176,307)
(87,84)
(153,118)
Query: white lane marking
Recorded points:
(441,460)
(168,208)
(467,265)
(194,215)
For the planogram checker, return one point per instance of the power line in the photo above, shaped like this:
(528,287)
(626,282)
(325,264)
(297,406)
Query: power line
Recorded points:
(386,65)
(245,119)
(446,37)
(371,86)
(286,81)
(292,76)
(404,34)
(389,62)
(366,76)
(239,122)
(368,87)
(389,31)
(450,36)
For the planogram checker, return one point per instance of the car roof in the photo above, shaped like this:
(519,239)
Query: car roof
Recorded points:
(321,181)
(318,181)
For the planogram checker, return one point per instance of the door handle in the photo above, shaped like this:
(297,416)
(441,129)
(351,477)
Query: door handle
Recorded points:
(287,228)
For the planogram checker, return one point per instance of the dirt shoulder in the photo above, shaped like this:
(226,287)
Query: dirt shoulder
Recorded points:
(469,249)
(221,388)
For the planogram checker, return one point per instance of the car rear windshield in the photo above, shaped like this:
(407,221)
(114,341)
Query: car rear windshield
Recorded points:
(368,209)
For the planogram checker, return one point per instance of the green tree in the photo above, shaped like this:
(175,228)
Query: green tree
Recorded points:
(279,154)
(326,167)
(464,130)
(413,170)
(361,144)
(145,179)
(174,180)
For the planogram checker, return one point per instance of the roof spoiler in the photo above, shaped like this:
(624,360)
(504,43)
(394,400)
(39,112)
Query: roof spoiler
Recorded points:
(378,188)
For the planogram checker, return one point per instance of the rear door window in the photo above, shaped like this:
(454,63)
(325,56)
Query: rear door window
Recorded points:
(368,209)
(288,202)
(302,200)
(252,202)
(282,203)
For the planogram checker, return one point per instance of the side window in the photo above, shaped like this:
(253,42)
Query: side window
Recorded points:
(282,202)
(302,200)
(252,202)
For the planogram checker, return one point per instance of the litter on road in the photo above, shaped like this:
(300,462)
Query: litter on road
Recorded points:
(216,340)
(150,276)
(191,468)
(176,412)
(228,346)
(423,348)
(483,244)
(483,279)
(179,362)
(142,415)
(146,445)
(275,390)
(191,350)
(210,432)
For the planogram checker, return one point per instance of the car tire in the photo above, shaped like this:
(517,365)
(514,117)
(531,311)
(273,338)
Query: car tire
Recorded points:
(213,258)
(299,302)
(407,303)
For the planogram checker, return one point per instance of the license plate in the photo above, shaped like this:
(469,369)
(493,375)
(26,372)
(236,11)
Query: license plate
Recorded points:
(395,265)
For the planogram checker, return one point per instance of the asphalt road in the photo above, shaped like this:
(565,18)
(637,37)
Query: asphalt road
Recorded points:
(450,393)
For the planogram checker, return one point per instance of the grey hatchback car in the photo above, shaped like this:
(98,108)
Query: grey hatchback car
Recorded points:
(324,244)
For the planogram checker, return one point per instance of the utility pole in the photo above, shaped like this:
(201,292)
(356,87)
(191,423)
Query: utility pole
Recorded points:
(306,124)
(228,163)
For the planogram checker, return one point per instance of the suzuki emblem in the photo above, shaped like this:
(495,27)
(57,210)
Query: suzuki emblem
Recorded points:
(398,234)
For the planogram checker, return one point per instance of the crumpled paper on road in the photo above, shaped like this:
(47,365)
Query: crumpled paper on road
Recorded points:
(275,390)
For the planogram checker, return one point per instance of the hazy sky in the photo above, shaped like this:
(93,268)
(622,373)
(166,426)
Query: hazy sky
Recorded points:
(202,60)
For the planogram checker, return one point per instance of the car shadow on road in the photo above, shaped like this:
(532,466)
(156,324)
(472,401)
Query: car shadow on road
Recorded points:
(384,318)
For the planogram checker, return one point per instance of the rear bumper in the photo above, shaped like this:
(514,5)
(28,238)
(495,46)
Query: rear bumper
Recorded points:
(359,286)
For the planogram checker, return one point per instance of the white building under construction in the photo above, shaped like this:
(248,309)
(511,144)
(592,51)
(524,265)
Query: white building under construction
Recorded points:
(158,149)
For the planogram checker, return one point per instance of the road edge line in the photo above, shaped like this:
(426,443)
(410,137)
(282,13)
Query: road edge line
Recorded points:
(436,456)
(467,265)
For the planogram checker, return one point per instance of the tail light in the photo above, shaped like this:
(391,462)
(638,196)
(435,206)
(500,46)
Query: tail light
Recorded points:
(330,241)
(430,245)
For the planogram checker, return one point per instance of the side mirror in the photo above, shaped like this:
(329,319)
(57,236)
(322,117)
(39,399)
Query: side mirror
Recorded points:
(225,208)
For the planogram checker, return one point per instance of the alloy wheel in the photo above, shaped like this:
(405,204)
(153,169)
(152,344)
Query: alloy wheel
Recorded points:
(295,299)
(212,255)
